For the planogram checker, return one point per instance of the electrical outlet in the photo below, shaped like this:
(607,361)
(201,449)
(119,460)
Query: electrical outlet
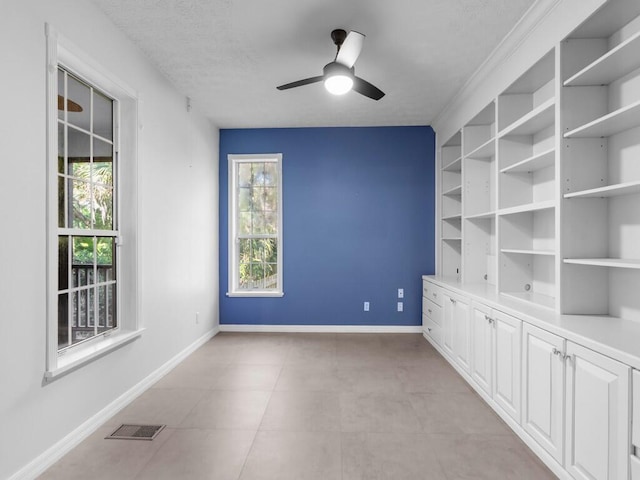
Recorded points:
(366,306)
(401,293)
(197,317)
(400,307)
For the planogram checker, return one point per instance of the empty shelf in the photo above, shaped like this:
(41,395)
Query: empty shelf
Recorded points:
(614,122)
(528,252)
(605,262)
(628,188)
(533,163)
(534,121)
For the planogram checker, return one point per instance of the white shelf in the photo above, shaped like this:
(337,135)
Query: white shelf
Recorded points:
(628,188)
(534,298)
(622,119)
(534,121)
(533,163)
(528,252)
(454,166)
(530,207)
(486,150)
(458,216)
(452,239)
(452,192)
(605,262)
(613,65)
(481,216)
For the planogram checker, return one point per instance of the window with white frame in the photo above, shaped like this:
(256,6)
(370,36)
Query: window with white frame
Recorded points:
(87,211)
(255,225)
(92,303)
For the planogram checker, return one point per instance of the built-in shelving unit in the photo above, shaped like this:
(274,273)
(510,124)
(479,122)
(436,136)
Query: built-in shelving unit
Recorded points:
(479,165)
(451,207)
(540,190)
(600,166)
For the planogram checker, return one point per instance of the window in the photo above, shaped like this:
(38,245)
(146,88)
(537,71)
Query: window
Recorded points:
(92,144)
(87,213)
(255,225)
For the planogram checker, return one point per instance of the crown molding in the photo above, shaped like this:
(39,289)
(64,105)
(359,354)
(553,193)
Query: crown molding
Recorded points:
(512,41)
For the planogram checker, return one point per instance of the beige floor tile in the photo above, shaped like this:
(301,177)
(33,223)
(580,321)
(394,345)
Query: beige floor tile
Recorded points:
(379,378)
(378,412)
(166,406)
(248,377)
(389,456)
(294,456)
(309,378)
(262,354)
(192,374)
(101,459)
(194,454)
(312,354)
(228,409)
(436,376)
(216,353)
(457,413)
(487,457)
(303,412)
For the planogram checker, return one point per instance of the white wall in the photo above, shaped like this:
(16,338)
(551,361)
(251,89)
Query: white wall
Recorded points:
(178,227)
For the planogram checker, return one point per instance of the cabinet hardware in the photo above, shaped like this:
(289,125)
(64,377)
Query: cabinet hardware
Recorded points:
(452,300)
(428,329)
(570,358)
(429,310)
(558,352)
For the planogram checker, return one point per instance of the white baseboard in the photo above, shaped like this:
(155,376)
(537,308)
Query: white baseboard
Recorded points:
(323,328)
(50,456)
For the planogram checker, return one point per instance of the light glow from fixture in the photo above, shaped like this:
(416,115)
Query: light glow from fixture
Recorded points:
(338,84)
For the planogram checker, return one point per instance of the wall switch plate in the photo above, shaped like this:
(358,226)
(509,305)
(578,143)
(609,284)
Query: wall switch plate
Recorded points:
(401,293)
(400,307)
(366,306)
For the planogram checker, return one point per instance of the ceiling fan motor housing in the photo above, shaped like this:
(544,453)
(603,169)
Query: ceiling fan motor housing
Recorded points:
(335,68)
(338,36)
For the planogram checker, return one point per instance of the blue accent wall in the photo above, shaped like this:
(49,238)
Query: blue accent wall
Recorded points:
(358,207)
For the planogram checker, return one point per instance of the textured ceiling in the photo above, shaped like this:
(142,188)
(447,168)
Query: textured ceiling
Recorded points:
(229,55)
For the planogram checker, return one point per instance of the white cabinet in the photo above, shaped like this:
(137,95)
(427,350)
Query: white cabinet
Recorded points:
(482,347)
(455,328)
(597,419)
(543,367)
(506,388)
(462,334)
(496,356)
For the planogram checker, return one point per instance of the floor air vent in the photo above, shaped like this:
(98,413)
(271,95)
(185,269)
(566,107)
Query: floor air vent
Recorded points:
(136,432)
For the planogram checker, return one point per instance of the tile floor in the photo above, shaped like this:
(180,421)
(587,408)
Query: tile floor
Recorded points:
(309,406)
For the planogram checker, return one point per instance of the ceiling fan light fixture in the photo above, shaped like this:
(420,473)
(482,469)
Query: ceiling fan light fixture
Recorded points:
(338,78)
(338,84)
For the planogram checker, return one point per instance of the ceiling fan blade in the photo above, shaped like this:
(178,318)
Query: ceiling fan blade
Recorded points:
(365,88)
(350,49)
(300,83)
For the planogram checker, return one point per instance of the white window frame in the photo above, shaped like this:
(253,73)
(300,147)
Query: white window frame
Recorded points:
(61,52)
(233,249)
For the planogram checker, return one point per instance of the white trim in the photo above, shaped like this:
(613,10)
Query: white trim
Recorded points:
(255,293)
(322,328)
(505,49)
(95,348)
(43,461)
(60,51)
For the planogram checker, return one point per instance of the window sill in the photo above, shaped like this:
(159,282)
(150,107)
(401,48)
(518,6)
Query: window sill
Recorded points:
(255,294)
(73,360)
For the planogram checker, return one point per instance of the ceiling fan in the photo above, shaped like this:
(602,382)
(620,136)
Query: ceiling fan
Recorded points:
(339,76)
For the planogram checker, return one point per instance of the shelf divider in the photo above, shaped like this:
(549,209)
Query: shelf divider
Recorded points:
(605,262)
(627,188)
(614,64)
(618,121)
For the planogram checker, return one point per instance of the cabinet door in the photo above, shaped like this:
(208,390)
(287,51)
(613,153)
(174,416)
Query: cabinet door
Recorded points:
(462,333)
(543,388)
(597,420)
(482,347)
(506,360)
(449,306)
